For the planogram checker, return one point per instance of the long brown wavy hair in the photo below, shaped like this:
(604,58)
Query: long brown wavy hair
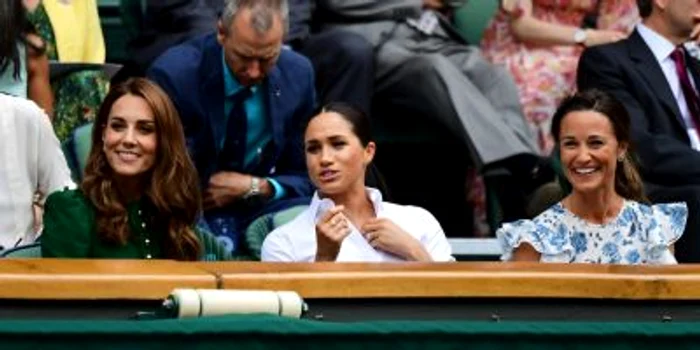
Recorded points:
(628,182)
(172,188)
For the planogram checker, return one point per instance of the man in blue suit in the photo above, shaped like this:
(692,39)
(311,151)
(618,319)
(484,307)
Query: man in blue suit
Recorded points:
(242,99)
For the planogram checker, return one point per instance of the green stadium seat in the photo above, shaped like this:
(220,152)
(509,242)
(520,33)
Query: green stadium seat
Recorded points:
(258,230)
(472,19)
(23,252)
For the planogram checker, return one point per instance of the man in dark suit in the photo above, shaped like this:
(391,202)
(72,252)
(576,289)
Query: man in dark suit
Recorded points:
(242,99)
(343,61)
(656,80)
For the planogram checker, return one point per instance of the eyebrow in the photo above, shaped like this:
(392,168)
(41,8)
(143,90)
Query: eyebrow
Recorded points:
(249,54)
(141,120)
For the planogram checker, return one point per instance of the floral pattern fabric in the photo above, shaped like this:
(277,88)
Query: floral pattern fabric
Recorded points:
(640,234)
(77,95)
(546,74)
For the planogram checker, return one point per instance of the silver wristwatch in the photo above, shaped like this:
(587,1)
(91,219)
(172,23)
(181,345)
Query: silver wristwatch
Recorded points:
(580,36)
(254,189)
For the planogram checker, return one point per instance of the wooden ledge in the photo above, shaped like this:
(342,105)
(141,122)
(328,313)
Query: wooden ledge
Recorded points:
(97,279)
(154,280)
(499,280)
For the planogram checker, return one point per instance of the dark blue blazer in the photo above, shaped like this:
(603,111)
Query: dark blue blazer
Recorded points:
(191,74)
(628,70)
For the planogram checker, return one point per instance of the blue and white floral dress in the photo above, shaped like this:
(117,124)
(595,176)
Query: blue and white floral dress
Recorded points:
(641,234)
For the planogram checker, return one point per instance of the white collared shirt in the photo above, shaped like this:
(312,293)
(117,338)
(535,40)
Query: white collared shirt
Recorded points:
(296,240)
(32,161)
(662,49)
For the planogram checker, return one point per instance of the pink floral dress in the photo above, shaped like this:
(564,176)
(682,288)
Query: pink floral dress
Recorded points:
(546,74)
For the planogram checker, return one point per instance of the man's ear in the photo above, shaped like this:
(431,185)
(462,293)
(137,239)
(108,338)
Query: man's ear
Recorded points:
(221,32)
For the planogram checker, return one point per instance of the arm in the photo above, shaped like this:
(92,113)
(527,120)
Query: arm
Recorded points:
(435,242)
(291,171)
(38,83)
(664,159)
(525,252)
(532,30)
(68,226)
(53,173)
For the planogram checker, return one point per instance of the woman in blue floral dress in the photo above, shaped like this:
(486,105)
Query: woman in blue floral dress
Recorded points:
(606,218)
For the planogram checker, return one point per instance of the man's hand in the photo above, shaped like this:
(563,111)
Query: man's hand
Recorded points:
(226,187)
(384,234)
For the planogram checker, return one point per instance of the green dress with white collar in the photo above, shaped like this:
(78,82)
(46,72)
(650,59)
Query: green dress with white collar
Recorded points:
(70,231)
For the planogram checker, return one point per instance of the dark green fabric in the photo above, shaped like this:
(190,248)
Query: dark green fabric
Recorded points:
(270,332)
(70,231)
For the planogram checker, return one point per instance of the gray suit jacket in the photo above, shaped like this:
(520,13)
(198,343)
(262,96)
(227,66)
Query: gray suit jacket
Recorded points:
(381,20)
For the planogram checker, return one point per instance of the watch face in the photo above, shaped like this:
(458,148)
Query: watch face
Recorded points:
(580,36)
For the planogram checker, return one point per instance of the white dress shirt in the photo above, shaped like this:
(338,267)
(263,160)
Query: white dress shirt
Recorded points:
(662,49)
(296,240)
(32,161)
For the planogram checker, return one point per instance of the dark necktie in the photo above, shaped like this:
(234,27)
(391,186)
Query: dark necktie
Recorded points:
(233,152)
(691,96)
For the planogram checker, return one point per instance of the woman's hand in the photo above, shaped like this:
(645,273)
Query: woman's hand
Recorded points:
(599,37)
(434,4)
(384,234)
(331,230)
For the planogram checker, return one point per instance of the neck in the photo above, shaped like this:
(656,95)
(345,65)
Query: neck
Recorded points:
(358,206)
(597,207)
(657,24)
(131,188)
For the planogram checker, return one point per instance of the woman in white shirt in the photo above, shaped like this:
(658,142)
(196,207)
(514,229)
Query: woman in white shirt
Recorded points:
(32,161)
(347,221)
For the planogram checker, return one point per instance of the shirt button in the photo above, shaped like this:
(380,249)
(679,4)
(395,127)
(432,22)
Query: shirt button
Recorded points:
(147,241)
(148,256)
(143,225)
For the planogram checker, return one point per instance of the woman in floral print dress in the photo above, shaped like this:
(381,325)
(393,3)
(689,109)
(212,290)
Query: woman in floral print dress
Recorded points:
(540,42)
(606,218)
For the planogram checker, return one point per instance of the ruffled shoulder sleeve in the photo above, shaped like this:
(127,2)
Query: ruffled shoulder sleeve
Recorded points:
(547,234)
(664,225)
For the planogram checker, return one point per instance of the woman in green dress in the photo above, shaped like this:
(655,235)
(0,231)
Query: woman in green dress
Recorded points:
(140,196)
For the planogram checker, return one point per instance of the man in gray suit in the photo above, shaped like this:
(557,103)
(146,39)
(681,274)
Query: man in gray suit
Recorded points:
(424,65)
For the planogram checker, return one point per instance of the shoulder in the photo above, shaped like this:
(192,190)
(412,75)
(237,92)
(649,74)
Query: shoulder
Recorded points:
(668,218)
(548,234)
(659,226)
(300,226)
(69,200)
(26,116)
(185,59)
(23,109)
(293,241)
(293,60)
(294,67)
(615,50)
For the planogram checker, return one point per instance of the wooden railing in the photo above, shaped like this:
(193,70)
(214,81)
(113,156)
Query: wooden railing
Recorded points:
(151,280)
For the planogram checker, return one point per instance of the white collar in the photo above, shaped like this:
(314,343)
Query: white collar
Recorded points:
(659,46)
(319,205)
